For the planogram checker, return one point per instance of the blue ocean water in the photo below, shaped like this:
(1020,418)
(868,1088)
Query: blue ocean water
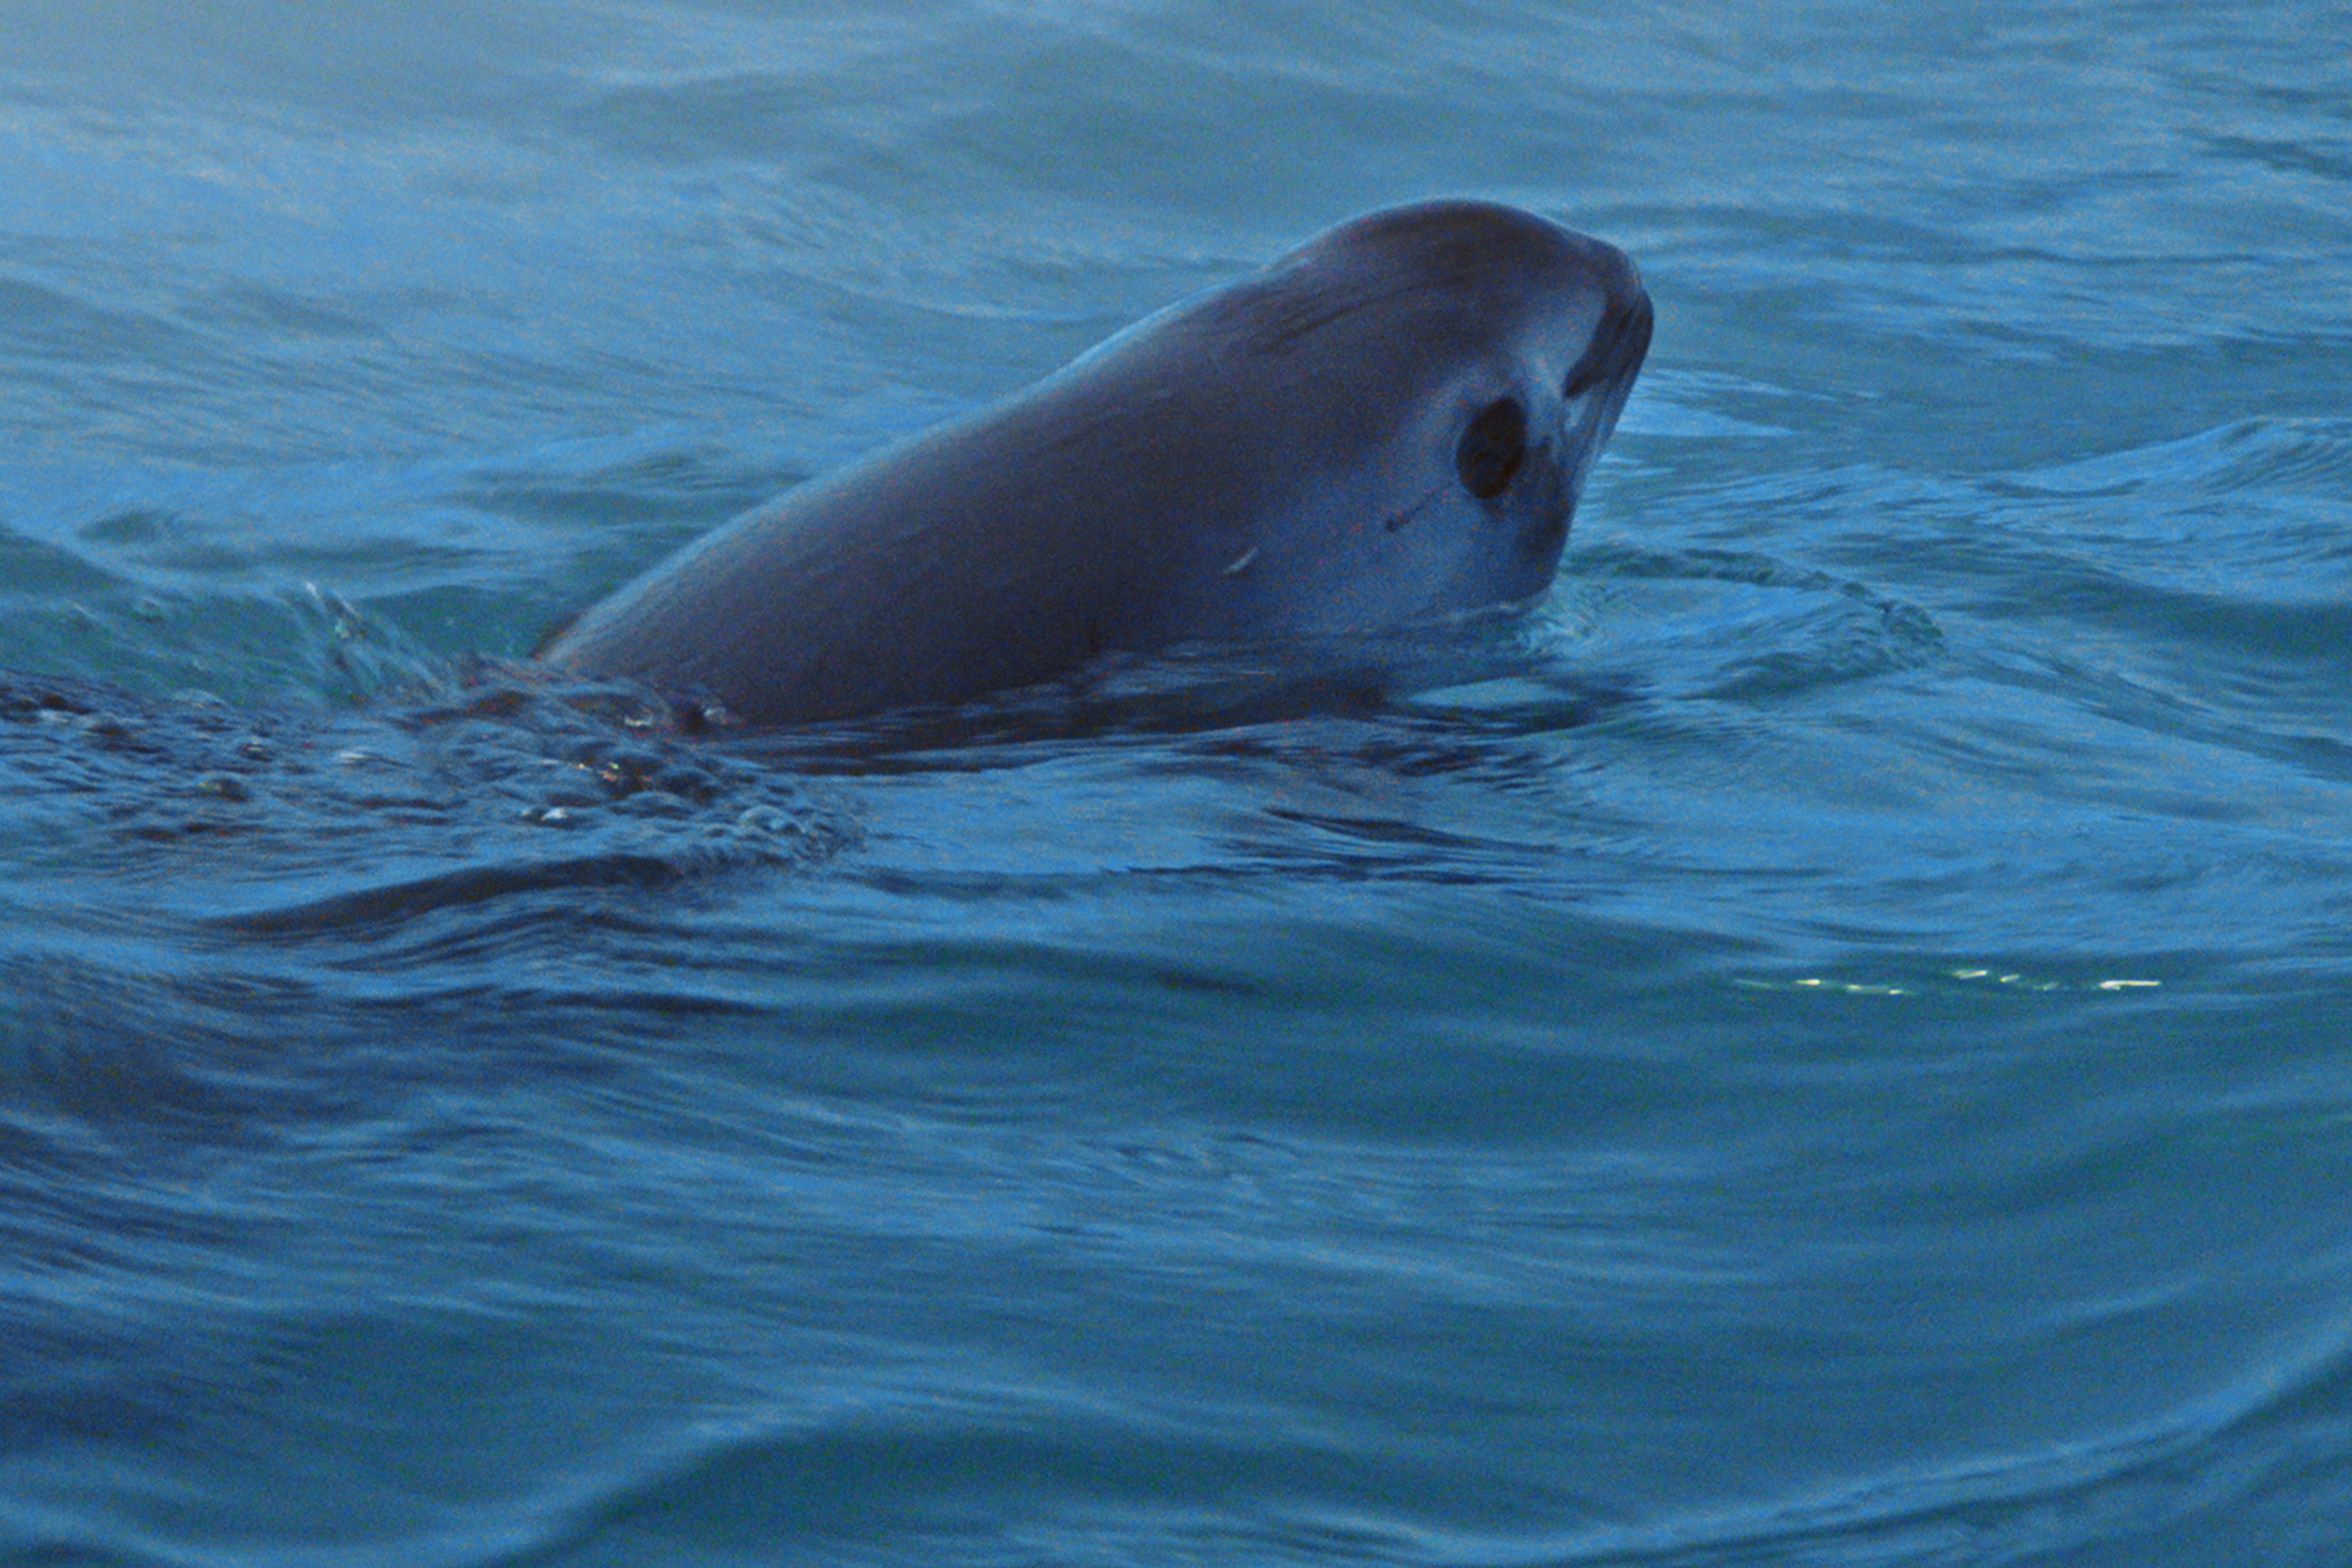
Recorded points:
(1825,1044)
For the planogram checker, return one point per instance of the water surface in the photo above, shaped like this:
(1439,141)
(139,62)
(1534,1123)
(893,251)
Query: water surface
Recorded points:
(1824,1044)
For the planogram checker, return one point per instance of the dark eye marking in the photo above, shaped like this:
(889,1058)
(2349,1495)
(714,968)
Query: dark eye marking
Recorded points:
(1492,448)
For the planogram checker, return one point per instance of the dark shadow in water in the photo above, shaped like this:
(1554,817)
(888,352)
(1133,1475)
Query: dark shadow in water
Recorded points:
(1478,675)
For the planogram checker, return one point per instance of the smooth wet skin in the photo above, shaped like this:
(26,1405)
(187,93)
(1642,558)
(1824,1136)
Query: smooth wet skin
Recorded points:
(1392,422)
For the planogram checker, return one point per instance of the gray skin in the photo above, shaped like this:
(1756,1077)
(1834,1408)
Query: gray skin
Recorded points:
(1323,448)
